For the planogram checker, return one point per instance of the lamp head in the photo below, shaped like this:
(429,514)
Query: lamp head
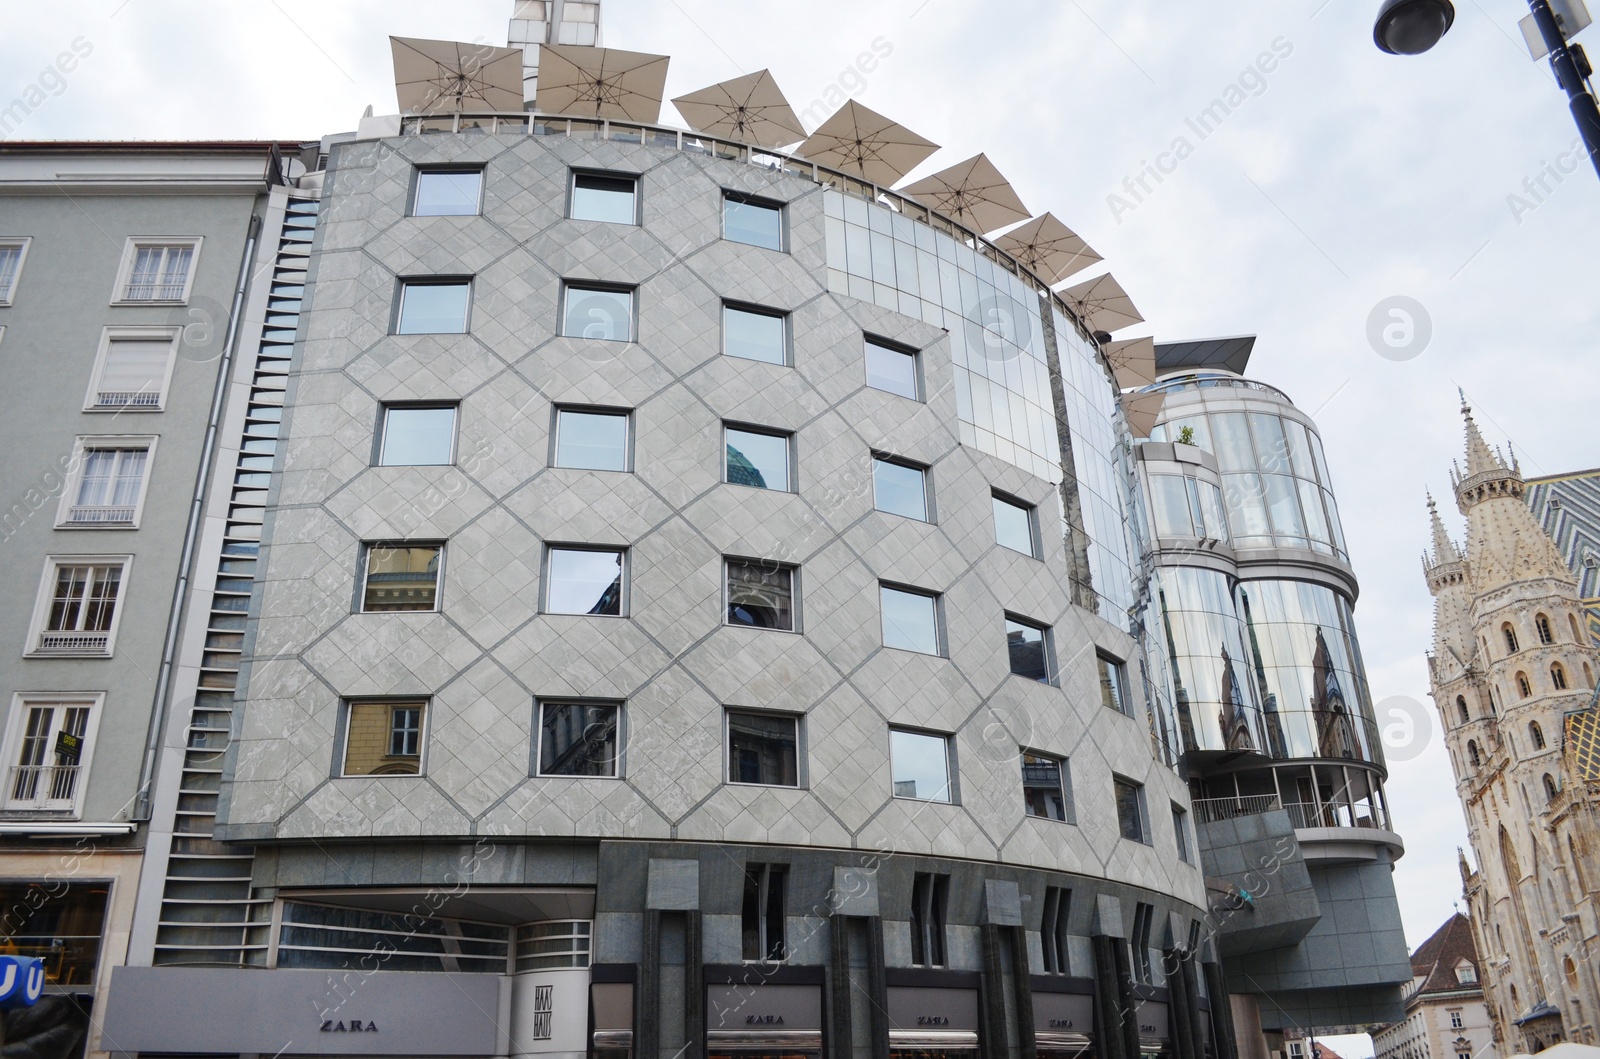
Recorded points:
(1411,27)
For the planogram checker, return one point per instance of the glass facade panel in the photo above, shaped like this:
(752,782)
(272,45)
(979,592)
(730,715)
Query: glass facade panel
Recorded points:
(1217,705)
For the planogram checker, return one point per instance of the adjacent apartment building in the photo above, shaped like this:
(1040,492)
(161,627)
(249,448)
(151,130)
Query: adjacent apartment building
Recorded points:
(1513,671)
(1446,1017)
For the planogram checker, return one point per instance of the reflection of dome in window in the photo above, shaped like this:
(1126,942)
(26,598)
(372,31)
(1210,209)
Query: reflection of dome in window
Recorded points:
(742,472)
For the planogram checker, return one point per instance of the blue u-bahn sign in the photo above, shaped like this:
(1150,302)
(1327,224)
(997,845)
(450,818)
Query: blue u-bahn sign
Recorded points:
(21,981)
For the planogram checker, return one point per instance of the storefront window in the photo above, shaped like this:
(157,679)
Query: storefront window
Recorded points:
(58,922)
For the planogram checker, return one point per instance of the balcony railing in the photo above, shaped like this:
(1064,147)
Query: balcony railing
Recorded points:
(1331,814)
(100,515)
(43,787)
(1210,810)
(74,642)
(127,399)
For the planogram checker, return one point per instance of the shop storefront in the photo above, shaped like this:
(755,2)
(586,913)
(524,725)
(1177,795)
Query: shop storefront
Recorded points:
(932,1023)
(764,1021)
(1063,1024)
(611,1004)
(1155,1034)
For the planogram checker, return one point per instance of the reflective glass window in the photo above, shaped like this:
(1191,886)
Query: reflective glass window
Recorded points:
(1169,503)
(1230,432)
(1130,810)
(1113,683)
(447,192)
(1044,789)
(401,576)
(910,620)
(891,370)
(433,307)
(756,458)
(1028,648)
(584,581)
(755,335)
(418,436)
(752,221)
(1013,526)
(763,748)
(899,488)
(596,441)
(761,594)
(605,197)
(383,738)
(920,765)
(603,314)
(579,739)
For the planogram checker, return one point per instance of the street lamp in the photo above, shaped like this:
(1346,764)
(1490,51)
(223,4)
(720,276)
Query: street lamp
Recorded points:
(1411,27)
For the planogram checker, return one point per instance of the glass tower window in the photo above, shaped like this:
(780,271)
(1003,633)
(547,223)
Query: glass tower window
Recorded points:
(891,370)
(920,765)
(602,314)
(579,739)
(596,441)
(585,581)
(756,458)
(899,488)
(746,220)
(763,748)
(605,197)
(1027,645)
(447,192)
(753,334)
(761,594)
(910,620)
(1044,789)
(433,307)
(1013,526)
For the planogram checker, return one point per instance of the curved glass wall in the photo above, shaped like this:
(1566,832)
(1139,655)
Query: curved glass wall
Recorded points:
(1185,506)
(1275,482)
(1214,696)
(1306,665)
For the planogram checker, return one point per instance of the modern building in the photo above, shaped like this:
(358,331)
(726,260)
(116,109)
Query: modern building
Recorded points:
(1250,607)
(119,269)
(1512,672)
(1446,1017)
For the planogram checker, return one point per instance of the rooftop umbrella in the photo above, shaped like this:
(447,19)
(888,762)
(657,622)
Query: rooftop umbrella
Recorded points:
(446,76)
(1049,247)
(600,82)
(864,141)
(1132,360)
(1102,304)
(748,108)
(972,192)
(1141,410)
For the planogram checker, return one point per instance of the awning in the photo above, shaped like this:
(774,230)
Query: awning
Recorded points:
(971,192)
(447,76)
(864,142)
(934,1040)
(600,82)
(1051,249)
(748,108)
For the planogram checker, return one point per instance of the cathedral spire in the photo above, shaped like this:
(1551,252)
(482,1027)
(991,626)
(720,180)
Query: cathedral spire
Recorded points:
(1480,459)
(1444,549)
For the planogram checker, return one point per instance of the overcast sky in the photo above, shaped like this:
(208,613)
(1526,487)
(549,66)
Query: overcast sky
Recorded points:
(1344,177)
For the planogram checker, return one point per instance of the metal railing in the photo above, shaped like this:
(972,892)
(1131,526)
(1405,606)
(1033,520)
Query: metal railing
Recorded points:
(74,641)
(1334,814)
(43,786)
(127,399)
(1210,810)
(100,514)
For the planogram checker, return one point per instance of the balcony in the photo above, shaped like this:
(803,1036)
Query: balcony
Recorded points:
(43,787)
(73,643)
(1326,831)
(100,515)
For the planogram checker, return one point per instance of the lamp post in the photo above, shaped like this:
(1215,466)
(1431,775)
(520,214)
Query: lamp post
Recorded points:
(1411,27)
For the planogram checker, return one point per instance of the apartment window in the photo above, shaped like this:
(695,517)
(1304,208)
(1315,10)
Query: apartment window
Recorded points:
(756,458)
(384,738)
(910,620)
(417,436)
(891,369)
(79,606)
(1466,974)
(1180,832)
(48,743)
(753,221)
(132,370)
(1455,1019)
(762,919)
(929,895)
(900,488)
(1139,943)
(156,270)
(1028,646)
(1130,810)
(12,253)
(401,576)
(448,193)
(433,307)
(1044,787)
(107,488)
(1053,930)
(591,440)
(597,312)
(579,739)
(605,197)
(1113,683)
(755,334)
(1013,525)
(585,581)
(763,748)
(919,765)
(761,594)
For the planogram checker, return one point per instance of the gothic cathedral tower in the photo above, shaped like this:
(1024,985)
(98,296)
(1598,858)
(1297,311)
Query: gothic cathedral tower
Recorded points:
(1512,674)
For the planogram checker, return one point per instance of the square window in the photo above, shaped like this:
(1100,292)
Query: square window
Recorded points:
(891,369)
(1180,831)
(132,370)
(1130,810)
(763,748)
(910,620)
(448,193)
(1028,646)
(755,334)
(384,738)
(1013,525)
(156,270)
(900,488)
(605,197)
(401,576)
(49,740)
(79,606)
(597,313)
(1113,683)
(579,739)
(584,581)
(753,221)
(1044,787)
(761,594)
(433,307)
(106,489)
(595,441)
(756,458)
(12,253)
(919,764)
(417,436)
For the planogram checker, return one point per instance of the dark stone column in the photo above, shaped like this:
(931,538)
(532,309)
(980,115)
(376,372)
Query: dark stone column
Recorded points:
(1179,1003)
(694,987)
(647,994)
(1027,1046)
(996,1042)
(880,990)
(839,1040)
(1191,985)
(1222,1031)
(1110,1007)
